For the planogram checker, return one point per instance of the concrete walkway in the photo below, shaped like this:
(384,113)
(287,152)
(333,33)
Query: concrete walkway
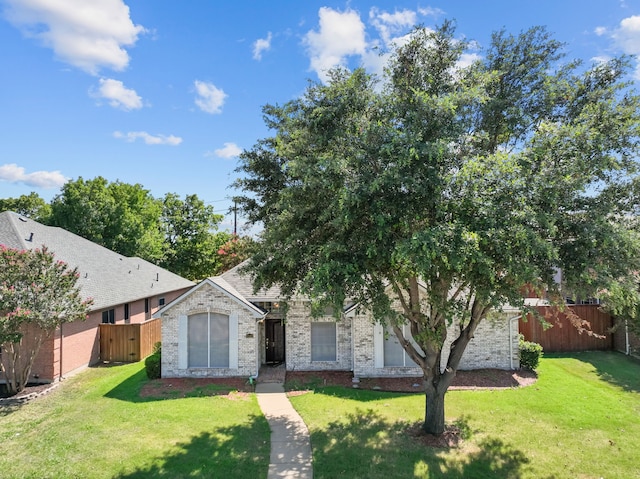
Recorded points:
(290,446)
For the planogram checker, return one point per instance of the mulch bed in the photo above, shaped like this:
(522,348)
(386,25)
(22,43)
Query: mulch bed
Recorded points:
(298,382)
(32,391)
(182,387)
(477,379)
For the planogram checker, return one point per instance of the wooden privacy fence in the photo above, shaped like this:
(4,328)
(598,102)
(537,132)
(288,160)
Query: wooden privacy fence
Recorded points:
(128,343)
(563,336)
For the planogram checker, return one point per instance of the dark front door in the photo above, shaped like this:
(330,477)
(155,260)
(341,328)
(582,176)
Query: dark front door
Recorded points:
(274,336)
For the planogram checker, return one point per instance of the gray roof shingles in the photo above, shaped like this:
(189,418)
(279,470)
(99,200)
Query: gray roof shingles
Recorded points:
(107,277)
(243,284)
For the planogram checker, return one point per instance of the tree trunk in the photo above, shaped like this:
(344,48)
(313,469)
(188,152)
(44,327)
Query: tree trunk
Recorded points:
(18,359)
(434,410)
(434,414)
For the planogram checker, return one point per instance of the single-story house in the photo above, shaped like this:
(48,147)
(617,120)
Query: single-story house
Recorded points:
(124,291)
(220,327)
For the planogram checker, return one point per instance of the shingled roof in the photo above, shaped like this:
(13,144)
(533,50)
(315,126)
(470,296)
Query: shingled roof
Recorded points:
(107,277)
(243,284)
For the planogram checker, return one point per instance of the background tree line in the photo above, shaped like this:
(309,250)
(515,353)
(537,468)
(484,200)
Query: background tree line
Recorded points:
(179,234)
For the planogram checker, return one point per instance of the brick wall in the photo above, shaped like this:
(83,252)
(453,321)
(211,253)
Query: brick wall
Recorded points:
(298,341)
(494,346)
(76,345)
(207,298)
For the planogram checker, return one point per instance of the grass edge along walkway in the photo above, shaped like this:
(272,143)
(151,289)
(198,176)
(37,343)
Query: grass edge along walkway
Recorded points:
(96,425)
(290,447)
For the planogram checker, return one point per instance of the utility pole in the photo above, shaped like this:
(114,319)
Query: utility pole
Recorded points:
(235,219)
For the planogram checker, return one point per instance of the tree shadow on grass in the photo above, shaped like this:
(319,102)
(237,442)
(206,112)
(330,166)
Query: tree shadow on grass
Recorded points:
(129,389)
(613,367)
(138,388)
(366,445)
(240,451)
(7,407)
(362,395)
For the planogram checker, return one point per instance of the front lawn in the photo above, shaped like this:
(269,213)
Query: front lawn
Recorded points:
(581,419)
(96,425)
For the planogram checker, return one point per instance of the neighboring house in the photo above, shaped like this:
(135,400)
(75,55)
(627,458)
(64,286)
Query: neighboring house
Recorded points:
(124,290)
(221,328)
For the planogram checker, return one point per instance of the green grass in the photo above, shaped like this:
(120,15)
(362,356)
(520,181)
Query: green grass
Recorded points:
(580,420)
(97,426)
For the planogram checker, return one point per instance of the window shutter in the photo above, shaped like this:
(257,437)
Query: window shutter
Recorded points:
(378,346)
(233,340)
(183,346)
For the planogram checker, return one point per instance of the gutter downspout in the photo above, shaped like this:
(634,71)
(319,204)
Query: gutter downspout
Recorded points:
(511,320)
(61,337)
(626,338)
(254,378)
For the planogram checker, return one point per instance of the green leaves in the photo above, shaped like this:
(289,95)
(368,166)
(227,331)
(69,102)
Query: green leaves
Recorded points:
(177,234)
(37,294)
(458,186)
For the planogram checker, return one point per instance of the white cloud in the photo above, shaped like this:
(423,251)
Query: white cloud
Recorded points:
(229,150)
(86,34)
(600,31)
(210,99)
(13,173)
(148,138)
(261,45)
(627,35)
(118,95)
(627,38)
(600,59)
(340,34)
(467,59)
(431,12)
(389,24)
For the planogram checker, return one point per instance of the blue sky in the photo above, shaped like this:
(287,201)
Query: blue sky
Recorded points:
(167,93)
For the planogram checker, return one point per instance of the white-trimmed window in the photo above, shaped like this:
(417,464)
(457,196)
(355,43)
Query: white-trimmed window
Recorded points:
(208,340)
(323,341)
(394,353)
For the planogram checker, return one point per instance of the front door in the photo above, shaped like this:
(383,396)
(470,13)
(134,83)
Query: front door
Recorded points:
(274,338)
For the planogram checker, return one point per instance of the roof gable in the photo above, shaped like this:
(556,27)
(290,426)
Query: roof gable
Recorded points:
(219,284)
(243,283)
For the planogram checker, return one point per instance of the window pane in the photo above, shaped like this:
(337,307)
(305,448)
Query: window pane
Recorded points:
(219,337)
(393,351)
(323,341)
(197,341)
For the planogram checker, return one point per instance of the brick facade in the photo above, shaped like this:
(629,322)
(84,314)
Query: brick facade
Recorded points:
(298,341)
(75,346)
(495,345)
(207,298)
(358,340)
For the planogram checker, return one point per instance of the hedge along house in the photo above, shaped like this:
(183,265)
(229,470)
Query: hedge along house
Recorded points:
(124,290)
(222,328)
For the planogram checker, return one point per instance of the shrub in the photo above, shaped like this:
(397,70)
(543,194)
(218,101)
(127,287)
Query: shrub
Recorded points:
(152,363)
(530,354)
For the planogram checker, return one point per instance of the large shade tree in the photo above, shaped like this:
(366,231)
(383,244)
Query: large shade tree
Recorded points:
(31,205)
(119,216)
(189,226)
(178,234)
(446,189)
(37,295)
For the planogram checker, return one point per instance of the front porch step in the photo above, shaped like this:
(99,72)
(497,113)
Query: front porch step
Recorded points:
(272,374)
